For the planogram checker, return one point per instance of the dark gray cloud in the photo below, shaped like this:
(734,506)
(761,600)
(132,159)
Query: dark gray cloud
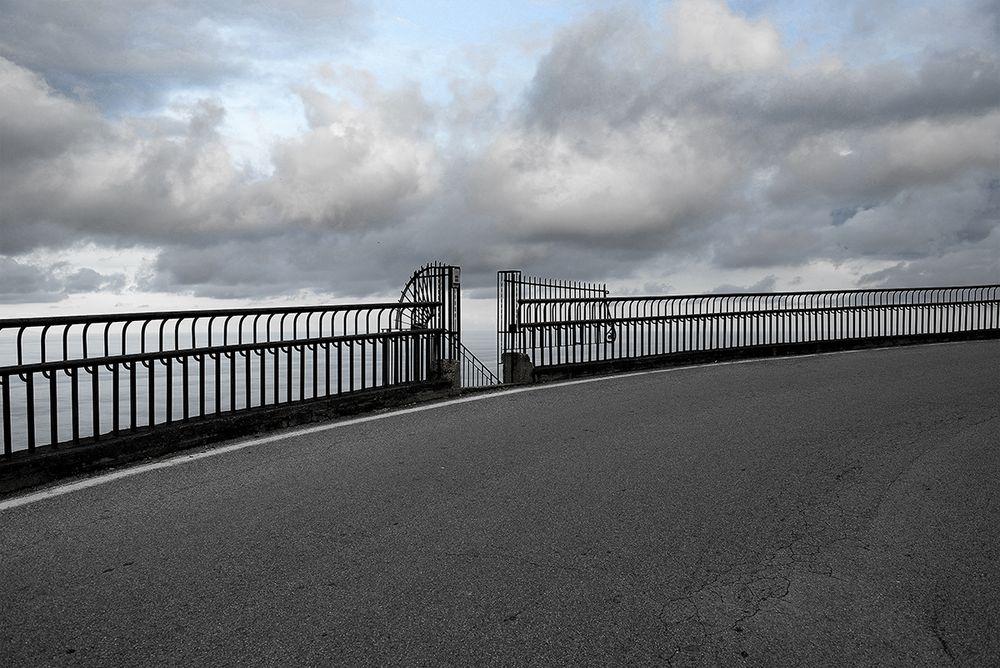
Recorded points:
(88,280)
(973,264)
(915,226)
(25,283)
(317,259)
(766,284)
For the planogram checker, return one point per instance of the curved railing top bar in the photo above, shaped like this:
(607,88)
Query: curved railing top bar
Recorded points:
(200,354)
(200,314)
(79,335)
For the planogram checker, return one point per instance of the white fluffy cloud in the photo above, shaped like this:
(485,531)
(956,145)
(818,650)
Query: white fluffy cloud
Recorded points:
(610,188)
(71,175)
(707,31)
(355,166)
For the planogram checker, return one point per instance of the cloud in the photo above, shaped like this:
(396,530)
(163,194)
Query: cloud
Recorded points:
(355,167)
(73,176)
(875,164)
(707,31)
(972,265)
(925,222)
(832,95)
(37,125)
(915,225)
(766,284)
(318,260)
(70,175)
(902,30)
(701,139)
(26,283)
(615,189)
(117,53)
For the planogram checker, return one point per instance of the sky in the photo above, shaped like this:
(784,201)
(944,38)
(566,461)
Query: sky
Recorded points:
(180,153)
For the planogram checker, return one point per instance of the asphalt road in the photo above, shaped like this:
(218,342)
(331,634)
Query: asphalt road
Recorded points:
(832,510)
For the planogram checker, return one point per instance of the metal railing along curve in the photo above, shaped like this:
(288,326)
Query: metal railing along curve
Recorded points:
(64,379)
(555,331)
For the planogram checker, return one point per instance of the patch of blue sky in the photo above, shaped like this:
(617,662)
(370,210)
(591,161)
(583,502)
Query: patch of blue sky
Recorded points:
(258,113)
(808,29)
(859,32)
(433,41)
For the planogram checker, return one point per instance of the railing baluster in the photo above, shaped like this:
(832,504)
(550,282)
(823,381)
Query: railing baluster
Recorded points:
(276,351)
(263,377)
(217,357)
(315,370)
(185,390)
(95,401)
(247,389)
(302,372)
(350,366)
(116,408)
(29,392)
(169,377)
(201,384)
(53,414)
(75,403)
(288,373)
(151,365)
(231,357)
(133,397)
(8,447)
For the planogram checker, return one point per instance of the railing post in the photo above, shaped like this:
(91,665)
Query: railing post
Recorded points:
(95,402)
(29,382)
(386,361)
(509,288)
(7,445)
(415,354)
(455,297)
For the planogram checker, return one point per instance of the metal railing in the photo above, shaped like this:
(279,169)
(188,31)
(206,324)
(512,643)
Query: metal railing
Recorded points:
(556,330)
(441,282)
(514,290)
(69,379)
(473,372)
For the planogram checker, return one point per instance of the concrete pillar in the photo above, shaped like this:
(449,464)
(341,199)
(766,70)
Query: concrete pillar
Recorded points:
(447,370)
(517,369)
